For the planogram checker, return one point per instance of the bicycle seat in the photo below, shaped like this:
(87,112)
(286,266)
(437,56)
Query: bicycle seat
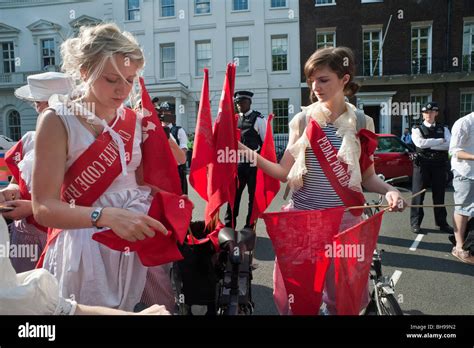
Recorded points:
(246,238)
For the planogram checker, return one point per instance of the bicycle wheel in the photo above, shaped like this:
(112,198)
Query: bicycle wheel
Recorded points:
(388,305)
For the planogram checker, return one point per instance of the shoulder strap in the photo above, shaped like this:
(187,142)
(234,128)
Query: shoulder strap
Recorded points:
(361,121)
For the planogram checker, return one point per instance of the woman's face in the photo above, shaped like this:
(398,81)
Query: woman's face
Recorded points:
(111,89)
(40,106)
(325,84)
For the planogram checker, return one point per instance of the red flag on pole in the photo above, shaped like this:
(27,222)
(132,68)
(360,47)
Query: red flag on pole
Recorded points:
(223,169)
(299,239)
(160,168)
(266,187)
(352,253)
(203,150)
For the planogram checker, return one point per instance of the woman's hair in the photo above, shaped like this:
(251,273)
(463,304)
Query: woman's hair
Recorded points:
(340,60)
(90,50)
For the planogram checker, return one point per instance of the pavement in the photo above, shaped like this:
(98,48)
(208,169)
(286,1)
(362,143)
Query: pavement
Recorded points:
(429,280)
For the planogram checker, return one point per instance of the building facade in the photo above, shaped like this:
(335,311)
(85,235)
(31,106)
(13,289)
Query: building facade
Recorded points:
(407,53)
(179,38)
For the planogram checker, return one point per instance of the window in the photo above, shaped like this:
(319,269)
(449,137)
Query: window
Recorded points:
(280,110)
(133,10)
(468,47)
(167,8)
(240,5)
(372,53)
(240,49)
(279,53)
(390,144)
(421,50)
(202,6)
(369,1)
(278,3)
(47,53)
(325,39)
(418,101)
(8,56)
(14,125)
(203,56)
(467,104)
(325,2)
(168,60)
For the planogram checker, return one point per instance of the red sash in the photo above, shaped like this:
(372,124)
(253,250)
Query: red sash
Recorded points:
(12,157)
(335,170)
(95,169)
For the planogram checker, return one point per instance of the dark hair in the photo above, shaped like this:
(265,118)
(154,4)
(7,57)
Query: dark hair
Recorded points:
(340,60)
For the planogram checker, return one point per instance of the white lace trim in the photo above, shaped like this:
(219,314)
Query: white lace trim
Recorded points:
(348,153)
(91,118)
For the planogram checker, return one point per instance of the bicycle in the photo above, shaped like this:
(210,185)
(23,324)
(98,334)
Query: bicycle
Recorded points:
(382,295)
(220,281)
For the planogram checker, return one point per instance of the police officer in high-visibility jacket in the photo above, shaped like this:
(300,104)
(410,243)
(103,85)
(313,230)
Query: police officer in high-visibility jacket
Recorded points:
(430,167)
(252,125)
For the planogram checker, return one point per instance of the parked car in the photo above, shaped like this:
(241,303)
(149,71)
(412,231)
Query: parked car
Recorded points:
(392,157)
(6,142)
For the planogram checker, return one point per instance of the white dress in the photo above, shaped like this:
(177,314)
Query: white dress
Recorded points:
(87,271)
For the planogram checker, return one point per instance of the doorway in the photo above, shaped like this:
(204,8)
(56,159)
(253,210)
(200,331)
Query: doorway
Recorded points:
(374,112)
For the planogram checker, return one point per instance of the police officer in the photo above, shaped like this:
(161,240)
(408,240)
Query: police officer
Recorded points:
(431,140)
(252,127)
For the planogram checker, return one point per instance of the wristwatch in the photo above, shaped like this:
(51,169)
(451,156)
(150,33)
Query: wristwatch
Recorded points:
(95,216)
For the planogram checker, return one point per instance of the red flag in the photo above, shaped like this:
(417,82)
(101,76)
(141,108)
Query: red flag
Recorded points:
(223,169)
(160,168)
(299,239)
(160,249)
(352,253)
(266,187)
(203,151)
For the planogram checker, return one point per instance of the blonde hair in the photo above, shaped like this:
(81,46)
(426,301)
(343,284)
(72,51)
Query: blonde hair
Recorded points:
(89,51)
(340,60)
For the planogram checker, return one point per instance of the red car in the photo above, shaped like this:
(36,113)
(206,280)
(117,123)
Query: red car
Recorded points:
(392,157)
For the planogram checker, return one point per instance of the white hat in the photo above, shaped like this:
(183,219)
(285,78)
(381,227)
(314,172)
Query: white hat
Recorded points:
(42,86)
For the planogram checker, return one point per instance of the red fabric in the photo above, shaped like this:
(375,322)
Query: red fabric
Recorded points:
(335,170)
(299,239)
(352,270)
(203,150)
(12,157)
(368,144)
(160,168)
(160,249)
(266,186)
(222,174)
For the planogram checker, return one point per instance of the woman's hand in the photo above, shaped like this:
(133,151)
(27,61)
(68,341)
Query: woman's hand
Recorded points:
(10,193)
(395,200)
(130,225)
(23,209)
(154,310)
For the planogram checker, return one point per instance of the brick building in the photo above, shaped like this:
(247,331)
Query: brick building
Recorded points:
(426,54)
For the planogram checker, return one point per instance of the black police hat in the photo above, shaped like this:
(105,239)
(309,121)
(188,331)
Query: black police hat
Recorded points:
(431,106)
(239,95)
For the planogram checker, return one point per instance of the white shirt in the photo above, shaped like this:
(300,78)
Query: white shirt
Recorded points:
(260,124)
(438,144)
(463,140)
(182,137)
(34,292)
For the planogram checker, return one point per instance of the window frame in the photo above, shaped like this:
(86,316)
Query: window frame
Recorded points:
(463,94)
(128,11)
(241,10)
(162,61)
(209,66)
(173,6)
(10,59)
(202,1)
(470,44)
(283,124)
(278,7)
(332,3)
(325,32)
(42,57)
(280,36)
(10,126)
(372,59)
(242,38)
(429,48)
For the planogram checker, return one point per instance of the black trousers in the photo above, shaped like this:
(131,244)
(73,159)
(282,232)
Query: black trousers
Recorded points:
(247,177)
(182,177)
(426,175)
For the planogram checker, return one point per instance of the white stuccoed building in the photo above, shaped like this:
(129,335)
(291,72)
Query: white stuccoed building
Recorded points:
(179,38)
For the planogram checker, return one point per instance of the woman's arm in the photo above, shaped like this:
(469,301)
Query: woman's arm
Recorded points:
(48,175)
(276,170)
(371,182)
(178,153)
